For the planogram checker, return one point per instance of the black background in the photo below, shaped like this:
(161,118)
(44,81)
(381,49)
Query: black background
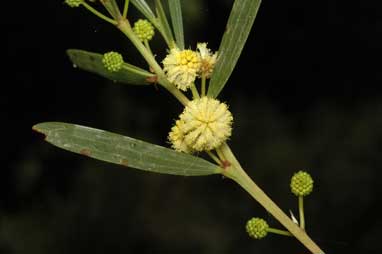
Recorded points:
(305,95)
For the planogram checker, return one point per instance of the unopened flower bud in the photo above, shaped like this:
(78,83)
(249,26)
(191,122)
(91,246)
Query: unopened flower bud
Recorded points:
(112,61)
(143,29)
(301,184)
(257,228)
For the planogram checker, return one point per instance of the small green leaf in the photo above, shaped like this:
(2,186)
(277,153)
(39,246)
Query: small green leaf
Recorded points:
(177,21)
(92,62)
(144,8)
(122,150)
(164,26)
(239,25)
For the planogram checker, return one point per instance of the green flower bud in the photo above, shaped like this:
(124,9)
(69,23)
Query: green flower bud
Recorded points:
(112,61)
(74,3)
(257,228)
(143,29)
(301,184)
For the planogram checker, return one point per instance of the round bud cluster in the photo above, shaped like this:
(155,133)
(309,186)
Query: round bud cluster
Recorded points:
(301,184)
(74,3)
(143,29)
(257,228)
(112,61)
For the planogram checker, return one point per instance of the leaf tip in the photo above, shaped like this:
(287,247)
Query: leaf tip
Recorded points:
(69,51)
(40,131)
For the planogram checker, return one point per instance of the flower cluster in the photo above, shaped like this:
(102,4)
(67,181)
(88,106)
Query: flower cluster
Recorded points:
(257,228)
(301,184)
(183,66)
(207,60)
(112,61)
(203,126)
(143,29)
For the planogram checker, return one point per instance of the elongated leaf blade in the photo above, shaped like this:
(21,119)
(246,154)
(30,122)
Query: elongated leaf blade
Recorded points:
(144,8)
(177,21)
(92,62)
(122,150)
(239,25)
(163,23)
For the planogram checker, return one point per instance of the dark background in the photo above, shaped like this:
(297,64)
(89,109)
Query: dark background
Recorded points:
(305,95)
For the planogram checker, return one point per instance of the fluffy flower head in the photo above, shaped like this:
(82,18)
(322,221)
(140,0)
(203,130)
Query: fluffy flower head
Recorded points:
(207,60)
(176,137)
(204,125)
(181,67)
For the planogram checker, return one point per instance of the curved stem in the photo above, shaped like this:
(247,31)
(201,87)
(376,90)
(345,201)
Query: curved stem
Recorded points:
(124,26)
(98,14)
(236,173)
(301,211)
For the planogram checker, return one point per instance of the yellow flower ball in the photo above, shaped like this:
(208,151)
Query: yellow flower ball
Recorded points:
(203,126)
(181,67)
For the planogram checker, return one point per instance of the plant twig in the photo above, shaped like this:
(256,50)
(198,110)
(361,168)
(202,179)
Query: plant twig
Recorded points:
(236,173)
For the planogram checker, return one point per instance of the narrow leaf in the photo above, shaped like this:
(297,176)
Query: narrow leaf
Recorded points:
(144,8)
(239,25)
(163,23)
(92,62)
(177,21)
(122,150)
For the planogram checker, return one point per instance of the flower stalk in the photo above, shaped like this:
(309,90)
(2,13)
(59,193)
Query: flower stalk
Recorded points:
(203,86)
(301,211)
(279,232)
(125,8)
(237,173)
(112,7)
(125,27)
(195,93)
(98,14)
